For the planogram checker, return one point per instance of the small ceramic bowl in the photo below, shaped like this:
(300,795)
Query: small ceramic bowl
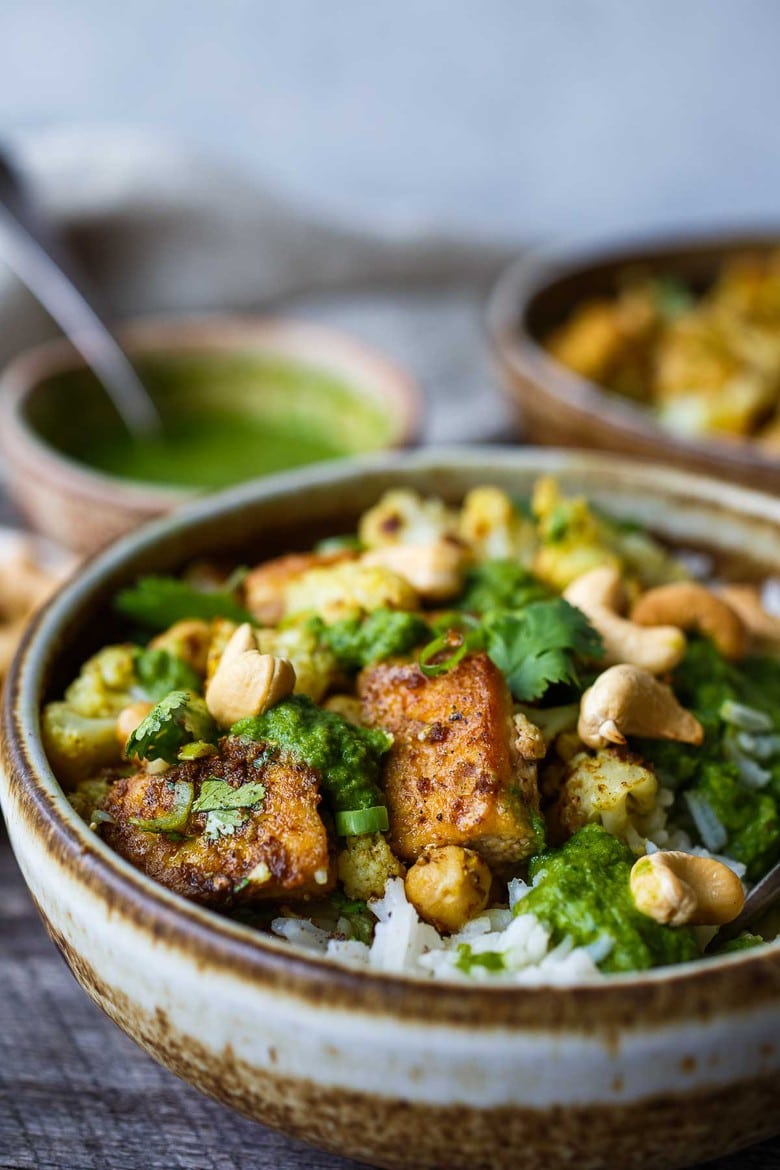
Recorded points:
(557,407)
(657,1070)
(83,508)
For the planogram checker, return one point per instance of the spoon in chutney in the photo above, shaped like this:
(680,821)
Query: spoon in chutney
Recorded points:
(30,247)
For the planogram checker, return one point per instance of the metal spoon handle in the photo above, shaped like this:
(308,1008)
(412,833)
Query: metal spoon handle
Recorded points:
(764,895)
(31,254)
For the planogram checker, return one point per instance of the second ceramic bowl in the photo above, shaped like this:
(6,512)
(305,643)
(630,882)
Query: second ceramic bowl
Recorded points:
(350,396)
(558,407)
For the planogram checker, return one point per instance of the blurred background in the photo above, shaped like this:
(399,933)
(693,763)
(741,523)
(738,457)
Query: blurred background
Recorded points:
(505,118)
(287,153)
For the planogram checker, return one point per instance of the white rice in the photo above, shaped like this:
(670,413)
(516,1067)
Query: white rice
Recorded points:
(404,945)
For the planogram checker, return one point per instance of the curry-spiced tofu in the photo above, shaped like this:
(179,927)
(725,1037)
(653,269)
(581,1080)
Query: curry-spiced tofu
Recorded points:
(267,842)
(454,775)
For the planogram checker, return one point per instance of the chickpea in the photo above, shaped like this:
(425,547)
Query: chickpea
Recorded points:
(448,885)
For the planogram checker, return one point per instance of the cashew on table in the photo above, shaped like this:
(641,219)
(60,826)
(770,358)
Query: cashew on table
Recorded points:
(626,700)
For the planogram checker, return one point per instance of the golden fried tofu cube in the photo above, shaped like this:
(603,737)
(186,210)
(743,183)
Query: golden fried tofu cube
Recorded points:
(277,849)
(453,775)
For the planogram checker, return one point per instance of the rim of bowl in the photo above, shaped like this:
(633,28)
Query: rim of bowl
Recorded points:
(659,995)
(513,342)
(368,373)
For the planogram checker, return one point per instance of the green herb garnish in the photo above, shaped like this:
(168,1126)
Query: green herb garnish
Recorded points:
(540,646)
(226,808)
(500,584)
(158,602)
(176,820)
(357,821)
(159,672)
(178,719)
(467,960)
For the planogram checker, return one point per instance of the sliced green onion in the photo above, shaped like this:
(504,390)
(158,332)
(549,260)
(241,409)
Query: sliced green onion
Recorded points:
(197,750)
(176,820)
(358,821)
(746,718)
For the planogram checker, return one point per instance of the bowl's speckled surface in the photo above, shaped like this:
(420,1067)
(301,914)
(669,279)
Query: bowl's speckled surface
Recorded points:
(658,1070)
(558,407)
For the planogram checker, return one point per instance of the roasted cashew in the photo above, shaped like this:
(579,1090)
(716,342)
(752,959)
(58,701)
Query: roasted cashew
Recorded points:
(745,600)
(129,718)
(625,700)
(435,571)
(247,682)
(681,889)
(599,594)
(448,885)
(693,607)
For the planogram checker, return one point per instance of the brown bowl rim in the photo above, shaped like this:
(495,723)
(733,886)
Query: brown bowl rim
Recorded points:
(514,344)
(396,391)
(698,989)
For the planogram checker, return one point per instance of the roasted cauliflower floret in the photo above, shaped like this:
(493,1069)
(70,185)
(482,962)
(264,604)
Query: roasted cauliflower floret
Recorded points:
(366,864)
(615,790)
(189,640)
(78,745)
(266,587)
(105,682)
(404,517)
(572,538)
(349,590)
(493,528)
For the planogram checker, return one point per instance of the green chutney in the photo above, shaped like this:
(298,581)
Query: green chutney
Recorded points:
(227,417)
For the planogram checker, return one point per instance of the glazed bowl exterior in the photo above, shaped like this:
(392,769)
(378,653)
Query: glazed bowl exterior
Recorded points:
(83,508)
(655,1070)
(557,407)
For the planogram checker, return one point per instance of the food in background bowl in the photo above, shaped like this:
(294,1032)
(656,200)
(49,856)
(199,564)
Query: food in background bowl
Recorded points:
(706,361)
(512,740)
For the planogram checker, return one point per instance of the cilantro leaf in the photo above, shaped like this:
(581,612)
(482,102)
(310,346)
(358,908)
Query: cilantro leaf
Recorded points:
(467,960)
(218,794)
(500,584)
(176,720)
(159,672)
(226,808)
(158,602)
(540,646)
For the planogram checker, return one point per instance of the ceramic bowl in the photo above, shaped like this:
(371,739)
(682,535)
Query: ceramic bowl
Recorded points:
(84,509)
(654,1070)
(558,407)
